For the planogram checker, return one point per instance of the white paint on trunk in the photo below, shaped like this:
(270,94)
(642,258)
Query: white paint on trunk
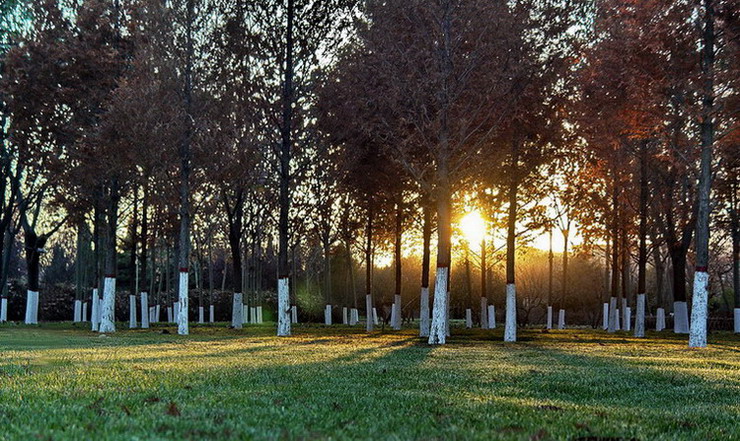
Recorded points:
(211,314)
(680,318)
(245,313)
(345,320)
(660,320)
(640,317)
(327,315)
(491,317)
(369,322)
(157,313)
(469,318)
(77,315)
(549,317)
(624,321)
(84,311)
(283,307)
(627,319)
(169,315)
(605,316)
(699,310)
(132,311)
(448,316)
(613,315)
(483,313)
(255,315)
(736,311)
(352,320)
(259,314)
(3,310)
(31,307)
(438,328)
(294,314)
(561,319)
(201,314)
(183,314)
(145,310)
(237,311)
(375,317)
(424,319)
(108,306)
(176,312)
(397,309)
(95,316)
(393,315)
(510,328)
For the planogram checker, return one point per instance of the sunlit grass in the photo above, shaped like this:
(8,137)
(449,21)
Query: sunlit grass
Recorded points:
(60,382)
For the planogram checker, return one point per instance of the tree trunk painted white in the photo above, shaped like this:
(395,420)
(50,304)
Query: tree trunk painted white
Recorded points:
(255,315)
(491,317)
(3,310)
(616,325)
(84,311)
(613,314)
(352,316)
(640,318)
(169,315)
(438,328)
(237,311)
(397,309)
(108,306)
(699,310)
(345,321)
(211,314)
(448,316)
(561,319)
(624,321)
(283,307)
(510,329)
(469,318)
(157,313)
(245,313)
(31,305)
(660,320)
(483,313)
(369,322)
(627,319)
(294,314)
(327,315)
(737,319)
(201,314)
(424,319)
(393,315)
(183,315)
(605,316)
(132,311)
(176,312)
(77,315)
(145,311)
(95,313)
(152,314)
(375,317)
(680,318)
(549,317)
(259,314)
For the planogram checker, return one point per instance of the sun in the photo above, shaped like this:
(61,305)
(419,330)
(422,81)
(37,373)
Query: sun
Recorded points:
(473,228)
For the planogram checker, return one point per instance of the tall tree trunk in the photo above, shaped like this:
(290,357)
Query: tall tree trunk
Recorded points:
(642,256)
(550,273)
(678,267)
(34,244)
(369,269)
(108,306)
(424,319)
(284,319)
(510,329)
(700,307)
(185,159)
(144,263)
(438,327)
(613,314)
(397,264)
(132,261)
(735,231)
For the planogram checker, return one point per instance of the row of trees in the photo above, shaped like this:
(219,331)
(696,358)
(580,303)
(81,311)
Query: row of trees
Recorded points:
(343,127)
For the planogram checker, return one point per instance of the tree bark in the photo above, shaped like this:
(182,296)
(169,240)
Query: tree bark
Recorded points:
(424,319)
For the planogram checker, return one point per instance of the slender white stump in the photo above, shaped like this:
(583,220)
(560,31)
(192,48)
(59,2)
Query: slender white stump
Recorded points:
(201,313)
(3,309)
(211,314)
(294,314)
(327,315)
(345,321)
(77,315)
(468,318)
(132,311)
(680,318)
(145,311)
(605,314)
(660,320)
(483,313)
(510,329)
(737,320)
(84,311)
(108,306)
(237,311)
(561,319)
(640,317)
(491,317)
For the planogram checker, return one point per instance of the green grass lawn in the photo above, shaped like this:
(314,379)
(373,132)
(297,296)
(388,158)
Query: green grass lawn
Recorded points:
(62,382)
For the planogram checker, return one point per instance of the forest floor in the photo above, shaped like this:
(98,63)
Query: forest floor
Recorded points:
(63,382)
